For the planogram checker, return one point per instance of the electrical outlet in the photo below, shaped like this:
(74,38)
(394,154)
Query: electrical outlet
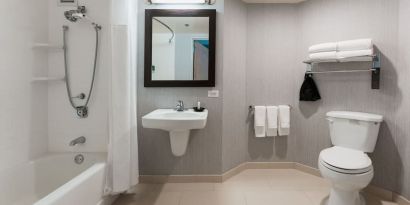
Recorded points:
(67,2)
(213,93)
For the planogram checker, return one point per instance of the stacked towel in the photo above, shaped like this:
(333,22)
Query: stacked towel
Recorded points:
(354,45)
(324,56)
(340,51)
(353,55)
(324,47)
(260,121)
(284,120)
(272,119)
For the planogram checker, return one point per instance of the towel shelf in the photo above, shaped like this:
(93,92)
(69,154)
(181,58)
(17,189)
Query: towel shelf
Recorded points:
(375,70)
(47,79)
(341,71)
(48,46)
(344,60)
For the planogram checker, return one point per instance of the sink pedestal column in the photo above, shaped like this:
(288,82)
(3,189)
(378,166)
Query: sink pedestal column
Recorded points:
(179,142)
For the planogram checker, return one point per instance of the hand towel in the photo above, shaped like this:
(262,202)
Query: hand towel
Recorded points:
(284,120)
(324,56)
(355,55)
(260,121)
(272,126)
(309,90)
(324,47)
(353,45)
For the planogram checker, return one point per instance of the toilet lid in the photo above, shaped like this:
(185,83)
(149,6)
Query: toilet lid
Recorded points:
(346,159)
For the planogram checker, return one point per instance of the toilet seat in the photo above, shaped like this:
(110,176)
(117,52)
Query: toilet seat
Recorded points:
(345,160)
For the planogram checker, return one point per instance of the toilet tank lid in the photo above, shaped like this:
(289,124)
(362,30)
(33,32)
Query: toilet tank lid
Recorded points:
(355,116)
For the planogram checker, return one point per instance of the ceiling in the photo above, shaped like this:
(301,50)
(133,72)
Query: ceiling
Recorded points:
(179,24)
(273,1)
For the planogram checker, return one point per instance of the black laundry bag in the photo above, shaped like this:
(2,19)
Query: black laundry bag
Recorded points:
(309,91)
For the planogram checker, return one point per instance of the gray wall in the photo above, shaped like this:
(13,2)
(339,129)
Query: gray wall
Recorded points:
(402,131)
(260,54)
(234,140)
(270,76)
(278,38)
(204,150)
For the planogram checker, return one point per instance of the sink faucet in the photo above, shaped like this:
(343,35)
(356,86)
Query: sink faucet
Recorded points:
(79,140)
(180,106)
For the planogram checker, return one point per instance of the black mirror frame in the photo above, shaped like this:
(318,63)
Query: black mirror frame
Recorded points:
(149,14)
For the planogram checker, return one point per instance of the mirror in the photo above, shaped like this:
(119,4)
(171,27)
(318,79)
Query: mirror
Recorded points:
(180,48)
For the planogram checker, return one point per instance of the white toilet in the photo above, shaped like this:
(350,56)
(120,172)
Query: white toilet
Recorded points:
(347,165)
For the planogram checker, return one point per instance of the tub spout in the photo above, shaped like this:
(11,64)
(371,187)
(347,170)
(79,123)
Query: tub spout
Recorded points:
(80,140)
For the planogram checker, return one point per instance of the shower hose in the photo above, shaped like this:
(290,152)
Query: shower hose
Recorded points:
(81,110)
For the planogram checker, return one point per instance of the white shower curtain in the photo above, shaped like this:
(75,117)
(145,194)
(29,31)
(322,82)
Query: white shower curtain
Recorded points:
(122,160)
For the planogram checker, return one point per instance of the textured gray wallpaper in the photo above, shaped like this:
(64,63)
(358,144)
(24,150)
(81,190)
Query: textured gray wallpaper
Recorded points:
(278,39)
(260,54)
(204,150)
(234,140)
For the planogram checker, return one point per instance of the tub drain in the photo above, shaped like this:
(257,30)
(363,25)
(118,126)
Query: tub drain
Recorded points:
(79,159)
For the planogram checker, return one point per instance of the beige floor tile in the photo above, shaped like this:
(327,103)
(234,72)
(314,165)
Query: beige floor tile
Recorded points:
(298,181)
(157,198)
(277,198)
(372,200)
(317,197)
(147,188)
(244,182)
(187,187)
(230,197)
(199,198)
(251,187)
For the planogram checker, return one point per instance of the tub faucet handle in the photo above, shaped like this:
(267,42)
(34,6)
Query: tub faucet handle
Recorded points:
(79,140)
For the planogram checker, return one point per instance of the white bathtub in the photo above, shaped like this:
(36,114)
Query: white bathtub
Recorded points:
(55,180)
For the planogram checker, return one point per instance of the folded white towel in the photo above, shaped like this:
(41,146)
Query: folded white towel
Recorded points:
(284,120)
(323,47)
(260,121)
(324,56)
(272,115)
(351,55)
(353,45)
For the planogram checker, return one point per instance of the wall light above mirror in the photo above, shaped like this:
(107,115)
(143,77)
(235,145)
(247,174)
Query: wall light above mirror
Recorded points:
(180,48)
(181,1)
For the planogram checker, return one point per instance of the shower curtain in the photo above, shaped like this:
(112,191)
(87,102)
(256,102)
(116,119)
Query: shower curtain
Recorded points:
(122,172)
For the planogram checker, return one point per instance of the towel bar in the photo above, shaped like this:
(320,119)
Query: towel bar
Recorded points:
(252,107)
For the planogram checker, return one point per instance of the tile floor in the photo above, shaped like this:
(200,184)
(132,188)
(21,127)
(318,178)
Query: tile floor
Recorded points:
(251,187)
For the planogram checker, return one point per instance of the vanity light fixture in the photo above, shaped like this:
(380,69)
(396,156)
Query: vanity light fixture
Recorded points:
(181,2)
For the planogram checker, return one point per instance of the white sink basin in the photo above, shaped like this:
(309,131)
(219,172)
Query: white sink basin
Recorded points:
(178,124)
(172,120)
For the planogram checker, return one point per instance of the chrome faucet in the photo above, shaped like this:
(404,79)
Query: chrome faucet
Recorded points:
(79,140)
(180,106)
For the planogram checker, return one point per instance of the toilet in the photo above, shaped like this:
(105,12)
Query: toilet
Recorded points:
(346,165)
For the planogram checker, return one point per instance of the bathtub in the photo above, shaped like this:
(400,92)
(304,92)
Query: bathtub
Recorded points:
(55,179)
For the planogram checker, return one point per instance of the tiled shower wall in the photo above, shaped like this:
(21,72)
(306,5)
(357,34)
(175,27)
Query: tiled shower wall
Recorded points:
(23,105)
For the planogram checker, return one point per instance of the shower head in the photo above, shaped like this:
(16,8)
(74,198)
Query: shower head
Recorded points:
(75,15)
(80,13)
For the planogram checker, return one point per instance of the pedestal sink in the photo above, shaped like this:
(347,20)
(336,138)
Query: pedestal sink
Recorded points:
(178,124)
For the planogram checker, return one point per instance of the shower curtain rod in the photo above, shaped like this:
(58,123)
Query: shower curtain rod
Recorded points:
(169,28)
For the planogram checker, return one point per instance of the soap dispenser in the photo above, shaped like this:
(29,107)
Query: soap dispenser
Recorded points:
(198,107)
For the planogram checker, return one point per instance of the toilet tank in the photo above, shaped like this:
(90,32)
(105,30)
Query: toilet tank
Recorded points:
(355,130)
